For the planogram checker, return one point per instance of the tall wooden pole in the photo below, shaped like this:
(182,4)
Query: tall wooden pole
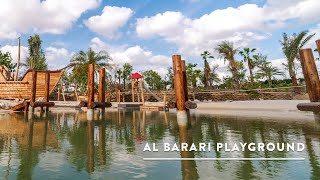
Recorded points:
(33,87)
(185,82)
(18,62)
(102,85)
(310,74)
(90,86)
(47,89)
(178,83)
(318,45)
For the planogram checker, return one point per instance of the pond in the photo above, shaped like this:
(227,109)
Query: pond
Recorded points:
(65,145)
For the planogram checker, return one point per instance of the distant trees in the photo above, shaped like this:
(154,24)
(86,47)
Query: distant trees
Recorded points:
(290,48)
(193,75)
(36,58)
(126,72)
(206,71)
(169,78)
(246,54)
(227,52)
(266,69)
(153,79)
(6,60)
(82,59)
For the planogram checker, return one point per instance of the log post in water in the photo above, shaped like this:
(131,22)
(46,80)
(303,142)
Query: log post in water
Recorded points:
(185,81)
(310,74)
(102,85)
(47,89)
(33,88)
(90,85)
(178,83)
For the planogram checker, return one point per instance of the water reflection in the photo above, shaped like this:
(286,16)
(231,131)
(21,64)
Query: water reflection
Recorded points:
(66,145)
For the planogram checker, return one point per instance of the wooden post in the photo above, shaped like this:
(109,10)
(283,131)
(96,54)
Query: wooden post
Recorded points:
(132,89)
(185,82)
(33,87)
(76,92)
(141,86)
(178,83)
(18,63)
(90,86)
(47,89)
(310,74)
(102,85)
(62,90)
(58,92)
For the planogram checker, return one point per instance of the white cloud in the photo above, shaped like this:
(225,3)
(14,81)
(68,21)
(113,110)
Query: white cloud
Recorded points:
(57,57)
(109,22)
(50,16)
(242,25)
(140,58)
(14,52)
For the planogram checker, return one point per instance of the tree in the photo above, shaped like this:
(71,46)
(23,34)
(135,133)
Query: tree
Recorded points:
(246,54)
(227,51)
(206,72)
(169,77)
(82,60)
(153,79)
(214,77)
(266,69)
(118,75)
(290,48)
(36,58)
(6,60)
(126,73)
(193,74)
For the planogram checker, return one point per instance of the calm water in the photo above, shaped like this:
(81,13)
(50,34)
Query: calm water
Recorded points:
(66,146)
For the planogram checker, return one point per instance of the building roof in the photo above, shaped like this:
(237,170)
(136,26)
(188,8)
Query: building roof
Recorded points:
(136,76)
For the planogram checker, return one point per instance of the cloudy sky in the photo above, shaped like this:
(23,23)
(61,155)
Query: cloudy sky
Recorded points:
(146,33)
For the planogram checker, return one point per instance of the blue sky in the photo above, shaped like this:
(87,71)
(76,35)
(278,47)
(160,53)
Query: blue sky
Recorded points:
(146,33)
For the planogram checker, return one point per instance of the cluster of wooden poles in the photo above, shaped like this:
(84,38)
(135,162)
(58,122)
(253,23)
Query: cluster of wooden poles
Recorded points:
(91,104)
(181,84)
(311,77)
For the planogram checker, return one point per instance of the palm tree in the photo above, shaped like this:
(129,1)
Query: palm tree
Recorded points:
(214,77)
(227,51)
(290,48)
(245,53)
(267,70)
(206,72)
(83,59)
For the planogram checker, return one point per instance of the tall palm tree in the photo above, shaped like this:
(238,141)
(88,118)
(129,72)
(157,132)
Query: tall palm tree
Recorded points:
(290,48)
(83,59)
(227,51)
(267,70)
(246,54)
(206,72)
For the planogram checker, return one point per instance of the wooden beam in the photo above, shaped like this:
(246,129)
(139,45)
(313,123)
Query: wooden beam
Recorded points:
(132,89)
(41,104)
(310,74)
(102,85)
(95,104)
(313,106)
(18,63)
(185,82)
(47,89)
(90,85)
(178,83)
(33,86)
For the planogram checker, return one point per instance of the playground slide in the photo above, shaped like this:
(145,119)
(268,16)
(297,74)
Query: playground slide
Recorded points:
(148,90)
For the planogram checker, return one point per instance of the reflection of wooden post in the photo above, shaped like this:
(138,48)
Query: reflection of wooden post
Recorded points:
(102,85)
(310,74)
(33,87)
(102,143)
(90,86)
(90,146)
(184,77)
(178,83)
(47,89)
